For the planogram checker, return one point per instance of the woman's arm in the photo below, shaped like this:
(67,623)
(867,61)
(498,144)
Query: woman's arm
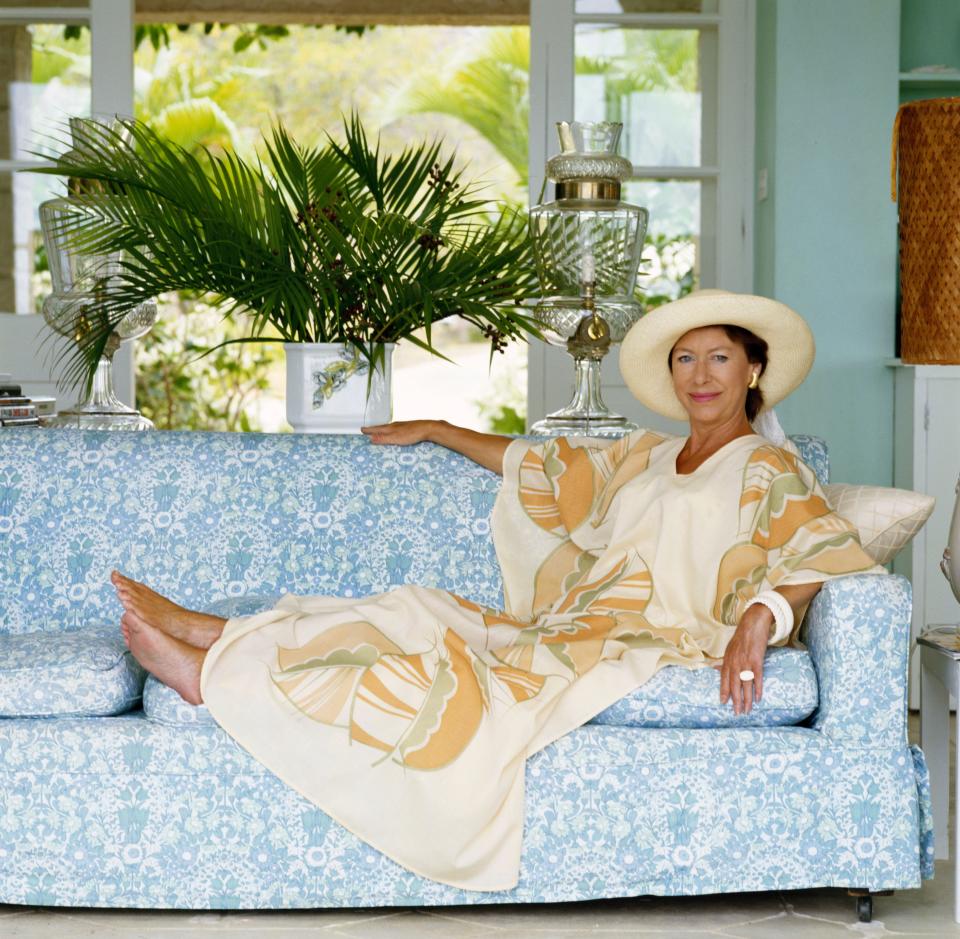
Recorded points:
(748,646)
(485,449)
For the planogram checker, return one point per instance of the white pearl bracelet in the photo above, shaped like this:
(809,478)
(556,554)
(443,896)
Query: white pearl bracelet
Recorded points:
(781,610)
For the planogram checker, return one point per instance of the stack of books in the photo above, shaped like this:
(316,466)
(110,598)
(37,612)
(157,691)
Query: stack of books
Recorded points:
(18,410)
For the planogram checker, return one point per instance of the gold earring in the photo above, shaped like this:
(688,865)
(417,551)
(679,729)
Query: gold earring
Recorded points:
(754,380)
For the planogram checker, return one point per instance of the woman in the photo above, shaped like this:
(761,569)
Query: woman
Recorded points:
(407,717)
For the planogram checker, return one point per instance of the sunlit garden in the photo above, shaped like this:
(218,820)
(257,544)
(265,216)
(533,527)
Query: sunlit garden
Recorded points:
(224,87)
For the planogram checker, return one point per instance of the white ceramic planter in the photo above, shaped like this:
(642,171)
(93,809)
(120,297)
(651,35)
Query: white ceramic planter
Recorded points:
(327,388)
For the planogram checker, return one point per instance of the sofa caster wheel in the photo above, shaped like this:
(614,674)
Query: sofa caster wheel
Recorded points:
(864,898)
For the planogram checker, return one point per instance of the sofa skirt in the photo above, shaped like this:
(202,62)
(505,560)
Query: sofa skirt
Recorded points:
(124,812)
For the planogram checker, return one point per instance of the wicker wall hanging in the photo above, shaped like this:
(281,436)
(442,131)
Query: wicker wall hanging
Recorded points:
(926,145)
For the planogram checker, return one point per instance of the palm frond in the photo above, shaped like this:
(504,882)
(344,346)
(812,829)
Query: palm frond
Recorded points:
(338,243)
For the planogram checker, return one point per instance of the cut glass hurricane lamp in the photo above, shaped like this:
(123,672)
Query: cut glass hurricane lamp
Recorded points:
(587,245)
(81,282)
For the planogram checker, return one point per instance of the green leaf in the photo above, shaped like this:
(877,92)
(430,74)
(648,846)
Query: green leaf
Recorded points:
(243,41)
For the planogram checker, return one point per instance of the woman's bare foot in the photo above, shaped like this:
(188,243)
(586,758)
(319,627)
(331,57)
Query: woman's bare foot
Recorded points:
(196,629)
(175,663)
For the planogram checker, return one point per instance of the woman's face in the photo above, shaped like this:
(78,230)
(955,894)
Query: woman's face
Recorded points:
(710,376)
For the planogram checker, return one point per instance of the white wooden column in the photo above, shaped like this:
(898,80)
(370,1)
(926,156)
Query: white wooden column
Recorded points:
(111,57)
(25,343)
(551,100)
(736,125)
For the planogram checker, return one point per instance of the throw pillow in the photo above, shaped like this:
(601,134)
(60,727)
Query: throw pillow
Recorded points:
(886,518)
(87,673)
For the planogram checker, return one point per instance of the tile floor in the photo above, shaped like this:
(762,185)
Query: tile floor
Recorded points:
(801,913)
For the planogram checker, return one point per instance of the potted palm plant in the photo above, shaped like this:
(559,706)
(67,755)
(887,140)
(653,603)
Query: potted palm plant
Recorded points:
(343,250)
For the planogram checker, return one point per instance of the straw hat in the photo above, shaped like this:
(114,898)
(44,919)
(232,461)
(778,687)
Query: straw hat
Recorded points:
(645,352)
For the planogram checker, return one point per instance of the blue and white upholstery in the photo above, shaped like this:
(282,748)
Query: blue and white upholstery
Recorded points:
(661,794)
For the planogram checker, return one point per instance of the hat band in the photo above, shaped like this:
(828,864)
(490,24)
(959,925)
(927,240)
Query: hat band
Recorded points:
(594,189)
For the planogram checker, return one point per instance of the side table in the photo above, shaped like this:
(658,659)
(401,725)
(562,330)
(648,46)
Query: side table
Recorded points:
(939,678)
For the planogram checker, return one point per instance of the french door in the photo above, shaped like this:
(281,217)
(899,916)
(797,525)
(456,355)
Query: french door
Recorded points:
(100,83)
(679,74)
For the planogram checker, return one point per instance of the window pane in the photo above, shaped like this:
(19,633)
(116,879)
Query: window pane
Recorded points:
(24,277)
(672,254)
(44,80)
(651,81)
(645,6)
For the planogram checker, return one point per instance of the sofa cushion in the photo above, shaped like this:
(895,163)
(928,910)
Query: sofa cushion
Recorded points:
(88,673)
(674,697)
(165,706)
(682,697)
(886,519)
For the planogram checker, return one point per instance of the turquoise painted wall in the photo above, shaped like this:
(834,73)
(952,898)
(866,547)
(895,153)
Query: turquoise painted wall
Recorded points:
(766,144)
(827,93)
(930,33)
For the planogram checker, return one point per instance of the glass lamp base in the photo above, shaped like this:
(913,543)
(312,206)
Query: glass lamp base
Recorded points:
(560,425)
(102,410)
(102,420)
(586,415)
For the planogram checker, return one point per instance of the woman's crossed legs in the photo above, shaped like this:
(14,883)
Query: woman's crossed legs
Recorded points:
(168,640)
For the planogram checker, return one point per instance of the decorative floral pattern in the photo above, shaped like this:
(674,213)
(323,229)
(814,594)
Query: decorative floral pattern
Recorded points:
(813,452)
(681,697)
(858,634)
(165,706)
(82,674)
(328,381)
(205,517)
(125,811)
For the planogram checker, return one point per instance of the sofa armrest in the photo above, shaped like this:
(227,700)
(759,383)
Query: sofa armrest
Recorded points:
(858,632)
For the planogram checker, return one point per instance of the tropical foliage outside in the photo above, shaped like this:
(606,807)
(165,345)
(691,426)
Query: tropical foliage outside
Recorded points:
(469,85)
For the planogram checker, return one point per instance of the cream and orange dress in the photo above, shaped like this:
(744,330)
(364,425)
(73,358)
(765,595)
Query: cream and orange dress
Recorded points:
(407,716)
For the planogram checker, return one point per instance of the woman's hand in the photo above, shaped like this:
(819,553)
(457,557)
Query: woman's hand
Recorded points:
(746,650)
(485,449)
(401,433)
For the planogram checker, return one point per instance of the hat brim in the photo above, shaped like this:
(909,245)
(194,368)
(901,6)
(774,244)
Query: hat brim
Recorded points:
(645,352)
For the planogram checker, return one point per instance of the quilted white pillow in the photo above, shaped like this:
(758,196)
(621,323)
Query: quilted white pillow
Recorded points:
(886,518)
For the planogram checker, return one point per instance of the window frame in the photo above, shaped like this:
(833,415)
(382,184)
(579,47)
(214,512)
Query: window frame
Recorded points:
(727,218)
(111,93)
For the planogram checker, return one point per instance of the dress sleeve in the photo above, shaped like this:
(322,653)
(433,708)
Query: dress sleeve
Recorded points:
(788,535)
(806,540)
(549,490)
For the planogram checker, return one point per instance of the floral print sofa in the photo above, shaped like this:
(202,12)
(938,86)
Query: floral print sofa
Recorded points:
(104,802)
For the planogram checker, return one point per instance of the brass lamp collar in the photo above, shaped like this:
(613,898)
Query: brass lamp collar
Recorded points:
(592,189)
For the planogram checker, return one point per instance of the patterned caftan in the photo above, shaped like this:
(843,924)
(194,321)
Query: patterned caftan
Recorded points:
(407,716)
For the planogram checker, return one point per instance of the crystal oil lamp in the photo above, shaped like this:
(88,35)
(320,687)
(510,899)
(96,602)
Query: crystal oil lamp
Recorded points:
(81,281)
(587,245)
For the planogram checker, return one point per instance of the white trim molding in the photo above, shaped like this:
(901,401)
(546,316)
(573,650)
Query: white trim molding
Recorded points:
(551,100)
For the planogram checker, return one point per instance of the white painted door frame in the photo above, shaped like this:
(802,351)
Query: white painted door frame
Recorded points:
(552,24)
(23,351)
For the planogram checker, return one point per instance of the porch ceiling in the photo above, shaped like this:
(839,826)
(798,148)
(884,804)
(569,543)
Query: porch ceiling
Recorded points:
(347,12)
